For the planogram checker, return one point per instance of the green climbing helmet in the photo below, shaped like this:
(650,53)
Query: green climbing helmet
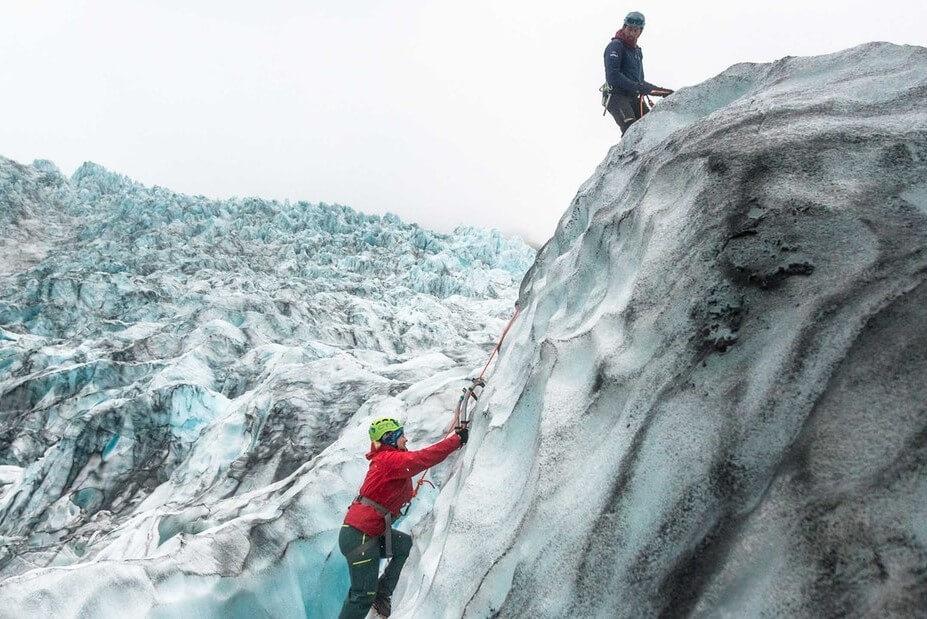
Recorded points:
(382,426)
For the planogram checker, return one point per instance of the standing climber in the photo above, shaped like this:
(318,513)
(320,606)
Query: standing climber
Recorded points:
(367,534)
(625,88)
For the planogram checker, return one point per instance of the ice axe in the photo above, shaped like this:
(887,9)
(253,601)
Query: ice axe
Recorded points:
(661,92)
(464,403)
(461,411)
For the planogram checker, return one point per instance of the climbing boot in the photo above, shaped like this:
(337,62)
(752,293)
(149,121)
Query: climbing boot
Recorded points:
(382,604)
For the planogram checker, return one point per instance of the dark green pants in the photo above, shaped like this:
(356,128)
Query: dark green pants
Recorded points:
(363,555)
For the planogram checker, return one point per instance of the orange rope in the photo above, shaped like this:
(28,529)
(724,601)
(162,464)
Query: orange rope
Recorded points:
(419,485)
(501,337)
(505,331)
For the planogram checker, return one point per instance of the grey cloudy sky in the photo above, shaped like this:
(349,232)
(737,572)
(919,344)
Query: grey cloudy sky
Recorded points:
(481,111)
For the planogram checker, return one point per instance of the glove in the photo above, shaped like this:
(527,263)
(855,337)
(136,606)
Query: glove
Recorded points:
(464,434)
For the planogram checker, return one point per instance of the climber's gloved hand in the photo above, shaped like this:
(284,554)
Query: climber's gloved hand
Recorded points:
(463,433)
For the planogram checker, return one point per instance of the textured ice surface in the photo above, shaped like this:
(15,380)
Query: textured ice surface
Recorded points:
(185,386)
(714,402)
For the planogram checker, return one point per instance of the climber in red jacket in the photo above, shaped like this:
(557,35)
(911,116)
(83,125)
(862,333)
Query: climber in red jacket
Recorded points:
(367,534)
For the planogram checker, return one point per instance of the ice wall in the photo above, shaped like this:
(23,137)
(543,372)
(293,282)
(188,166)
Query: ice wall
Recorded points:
(714,400)
(712,403)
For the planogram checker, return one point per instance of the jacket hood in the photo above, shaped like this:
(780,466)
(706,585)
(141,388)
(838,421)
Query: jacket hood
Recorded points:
(375,450)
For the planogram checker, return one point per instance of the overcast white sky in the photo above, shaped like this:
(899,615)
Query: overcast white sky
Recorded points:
(478,111)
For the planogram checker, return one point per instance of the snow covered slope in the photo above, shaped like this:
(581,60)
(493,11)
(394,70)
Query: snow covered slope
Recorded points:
(172,367)
(714,402)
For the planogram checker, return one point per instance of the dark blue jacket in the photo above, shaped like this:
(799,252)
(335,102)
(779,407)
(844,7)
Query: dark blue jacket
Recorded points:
(624,69)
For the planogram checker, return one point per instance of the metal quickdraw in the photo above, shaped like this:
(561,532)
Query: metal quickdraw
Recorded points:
(606,91)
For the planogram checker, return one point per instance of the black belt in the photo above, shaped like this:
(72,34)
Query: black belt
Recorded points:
(387,517)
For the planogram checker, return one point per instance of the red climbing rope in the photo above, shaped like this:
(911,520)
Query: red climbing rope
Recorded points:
(501,337)
(468,392)
(419,485)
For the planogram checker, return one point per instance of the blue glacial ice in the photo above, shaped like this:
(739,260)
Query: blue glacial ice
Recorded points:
(173,366)
(712,403)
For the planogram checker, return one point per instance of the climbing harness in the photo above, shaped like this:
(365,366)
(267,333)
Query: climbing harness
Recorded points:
(606,91)
(387,517)
(461,411)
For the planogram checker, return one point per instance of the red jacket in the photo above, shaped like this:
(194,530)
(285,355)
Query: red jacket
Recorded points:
(389,481)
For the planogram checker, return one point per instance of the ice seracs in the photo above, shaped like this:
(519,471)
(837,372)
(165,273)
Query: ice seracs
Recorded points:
(171,365)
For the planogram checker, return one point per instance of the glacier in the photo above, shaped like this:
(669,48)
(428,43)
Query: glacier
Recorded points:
(711,404)
(175,368)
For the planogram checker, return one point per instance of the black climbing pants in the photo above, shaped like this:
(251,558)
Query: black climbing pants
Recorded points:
(363,555)
(626,109)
